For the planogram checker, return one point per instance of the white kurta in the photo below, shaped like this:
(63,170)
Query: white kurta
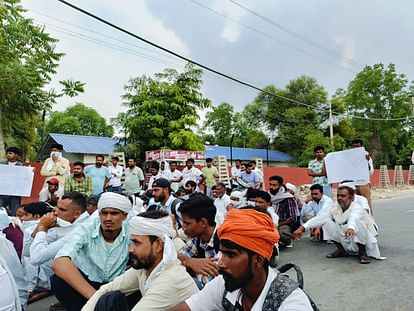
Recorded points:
(336,222)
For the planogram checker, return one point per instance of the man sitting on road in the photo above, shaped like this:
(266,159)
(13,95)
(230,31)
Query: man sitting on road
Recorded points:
(284,205)
(246,282)
(199,255)
(155,271)
(319,203)
(49,235)
(96,253)
(251,177)
(52,193)
(348,225)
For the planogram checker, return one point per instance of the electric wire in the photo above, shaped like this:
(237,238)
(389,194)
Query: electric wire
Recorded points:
(299,36)
(271,37)
(214,70)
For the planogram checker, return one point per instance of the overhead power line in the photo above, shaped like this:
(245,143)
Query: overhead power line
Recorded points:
(299,36)
(209,68)
(271,37)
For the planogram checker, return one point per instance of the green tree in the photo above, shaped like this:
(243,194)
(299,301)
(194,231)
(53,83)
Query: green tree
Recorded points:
(28,61)
(222,123)
(379,92)
(163,110)
(292,122)
(79,120)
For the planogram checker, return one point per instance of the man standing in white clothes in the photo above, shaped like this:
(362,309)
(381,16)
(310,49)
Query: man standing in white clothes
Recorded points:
(175,176)
(221,203)
(116,175)
(190,172)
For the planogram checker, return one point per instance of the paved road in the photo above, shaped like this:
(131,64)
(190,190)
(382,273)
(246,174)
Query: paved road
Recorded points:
(343,283)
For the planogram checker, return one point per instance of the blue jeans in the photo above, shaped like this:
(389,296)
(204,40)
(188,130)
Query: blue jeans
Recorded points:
(10,202)
(114,189)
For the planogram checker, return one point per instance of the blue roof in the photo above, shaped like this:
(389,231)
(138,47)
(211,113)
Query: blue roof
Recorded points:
(246,153)
(85,144)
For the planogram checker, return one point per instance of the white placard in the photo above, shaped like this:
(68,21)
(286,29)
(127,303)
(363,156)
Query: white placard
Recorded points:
(347,165)
(16,180)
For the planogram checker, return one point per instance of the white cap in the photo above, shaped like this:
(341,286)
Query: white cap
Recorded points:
(291,187)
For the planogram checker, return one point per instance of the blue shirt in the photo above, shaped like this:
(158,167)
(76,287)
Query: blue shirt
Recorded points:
(97,259)
(98,177)
(251,178)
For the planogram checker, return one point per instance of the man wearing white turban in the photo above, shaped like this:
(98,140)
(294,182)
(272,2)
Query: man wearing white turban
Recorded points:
(95,253)
(155,271)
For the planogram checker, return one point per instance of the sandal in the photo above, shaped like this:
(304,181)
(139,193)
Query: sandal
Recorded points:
(337,254)
(363,258)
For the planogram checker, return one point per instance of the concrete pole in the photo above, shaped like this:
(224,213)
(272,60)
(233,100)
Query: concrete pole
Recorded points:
(330,123)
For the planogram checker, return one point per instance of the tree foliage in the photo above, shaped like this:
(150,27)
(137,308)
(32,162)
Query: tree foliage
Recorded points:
(79,120)
(379,92)
(28,61)
(162,110)
(292,122)
(222,123)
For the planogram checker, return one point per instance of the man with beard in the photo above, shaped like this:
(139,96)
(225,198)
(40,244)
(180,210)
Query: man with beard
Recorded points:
(162,197)
(78,181)
(190,188)
(348,225)
(285,206)
(95,254)
(155,174)
(247,282)
(100,174)
(52,193)
(155,271)
(134,178)
(190,172)
(175,176)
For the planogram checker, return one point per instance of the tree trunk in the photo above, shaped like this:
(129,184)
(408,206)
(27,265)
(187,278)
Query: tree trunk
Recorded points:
(2,150)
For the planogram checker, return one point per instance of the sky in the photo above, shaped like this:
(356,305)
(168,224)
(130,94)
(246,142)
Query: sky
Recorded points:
(266,42)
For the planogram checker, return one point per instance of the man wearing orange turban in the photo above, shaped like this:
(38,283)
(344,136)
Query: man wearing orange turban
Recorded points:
(247,282)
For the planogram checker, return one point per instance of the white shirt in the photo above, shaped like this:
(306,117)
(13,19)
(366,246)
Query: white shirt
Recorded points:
(46,245)
(152,179)
(115,181)
(235,172)
(220,204)
(165,174)
(190,174)
(11,264)
(313,208)
(175,175)
(211,297)
(412,158)
(259,173)
(371,172)
(167,288)
(45,195)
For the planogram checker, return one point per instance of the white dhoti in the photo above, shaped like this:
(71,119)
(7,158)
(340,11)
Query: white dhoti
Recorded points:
(363,235)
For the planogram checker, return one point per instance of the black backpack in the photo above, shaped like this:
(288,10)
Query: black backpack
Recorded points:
(282,286)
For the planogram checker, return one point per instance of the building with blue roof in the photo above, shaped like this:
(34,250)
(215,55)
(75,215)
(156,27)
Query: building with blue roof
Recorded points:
(78,147)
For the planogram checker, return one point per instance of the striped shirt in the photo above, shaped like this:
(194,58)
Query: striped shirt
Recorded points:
(92,254)
(83,186)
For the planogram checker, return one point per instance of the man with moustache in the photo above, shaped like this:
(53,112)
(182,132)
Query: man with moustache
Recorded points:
(348,225)
(155,271)
(100,174)
(78,181)
(95,254)
(247,282)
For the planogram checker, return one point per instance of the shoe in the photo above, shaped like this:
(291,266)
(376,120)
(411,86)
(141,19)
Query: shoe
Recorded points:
(38,295)
(289,245)
(337,254)
(57,307)
(363,258)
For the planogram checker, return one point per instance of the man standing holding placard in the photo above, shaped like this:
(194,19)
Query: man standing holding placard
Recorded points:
(363,187)
(12,202)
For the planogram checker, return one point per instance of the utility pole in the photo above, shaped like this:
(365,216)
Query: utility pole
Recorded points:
(330,123)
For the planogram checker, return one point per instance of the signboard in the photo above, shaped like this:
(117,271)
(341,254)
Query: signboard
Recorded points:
(174,155)
(16,180)
(347,165)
